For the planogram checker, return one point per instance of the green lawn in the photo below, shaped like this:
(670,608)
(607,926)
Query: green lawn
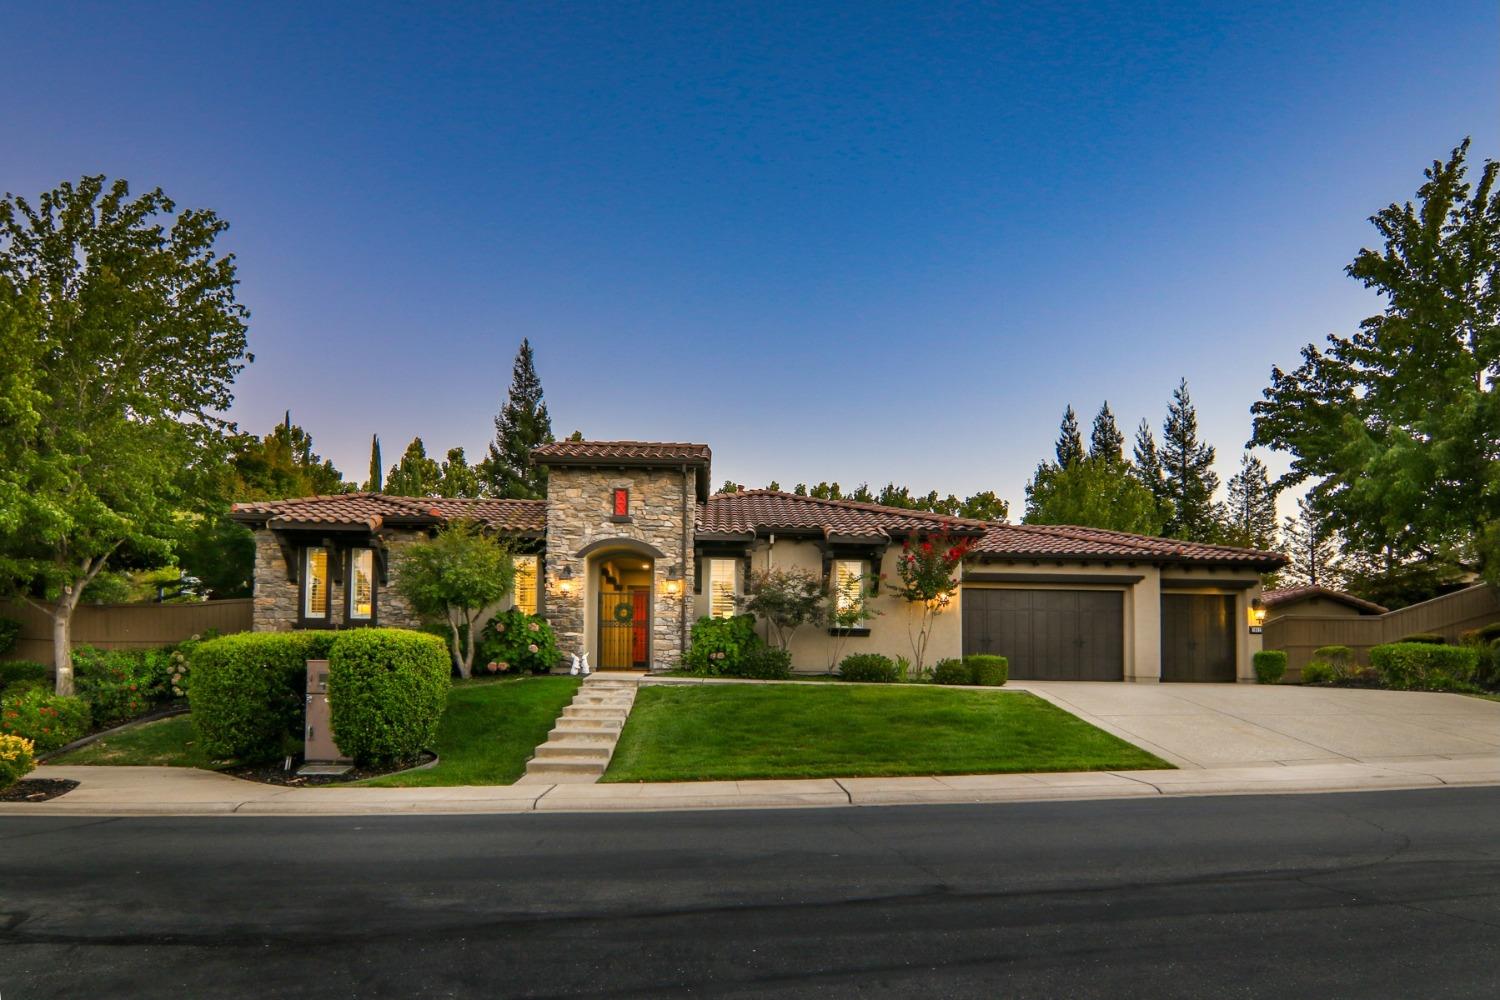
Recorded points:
(487,734)
(163,743)
(489,731)
(741,731)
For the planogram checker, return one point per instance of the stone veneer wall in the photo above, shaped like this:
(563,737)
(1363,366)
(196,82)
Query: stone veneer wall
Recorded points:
(578,514)
(275,598)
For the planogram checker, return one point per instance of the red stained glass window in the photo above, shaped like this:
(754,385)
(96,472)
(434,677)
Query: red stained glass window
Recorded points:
(622,503)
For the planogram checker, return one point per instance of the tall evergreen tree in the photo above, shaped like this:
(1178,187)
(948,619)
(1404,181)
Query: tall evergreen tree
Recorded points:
(376,469)
(1147,469)
(1187,468)
(415,475)
(1313,547)
(1069,440)
(1250,510)
(457,478)
(1106,442)
(521,425)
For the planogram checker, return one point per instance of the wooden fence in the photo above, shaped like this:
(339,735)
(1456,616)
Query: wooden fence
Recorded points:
(124,626)
(1447,616)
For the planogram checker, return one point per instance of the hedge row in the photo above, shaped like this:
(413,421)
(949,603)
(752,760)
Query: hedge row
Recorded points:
(1421,666)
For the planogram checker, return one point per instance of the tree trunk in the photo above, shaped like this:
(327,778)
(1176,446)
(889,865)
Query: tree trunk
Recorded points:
(62,645)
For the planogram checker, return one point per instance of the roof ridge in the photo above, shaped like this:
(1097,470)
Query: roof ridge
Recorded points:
(1076,530)
(878,508)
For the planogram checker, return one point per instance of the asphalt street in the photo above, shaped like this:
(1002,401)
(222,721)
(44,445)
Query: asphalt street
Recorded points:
(1389,894)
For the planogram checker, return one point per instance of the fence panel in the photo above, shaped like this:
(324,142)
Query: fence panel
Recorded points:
(125,626)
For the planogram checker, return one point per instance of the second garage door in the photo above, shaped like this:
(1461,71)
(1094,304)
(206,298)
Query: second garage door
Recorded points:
(1059,635)
(1197,637)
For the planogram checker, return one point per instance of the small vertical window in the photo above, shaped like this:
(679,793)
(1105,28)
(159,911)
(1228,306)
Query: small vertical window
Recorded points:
(848,585)
(622,503)
(525,587)
(315,582)
(361,584)
(721,588)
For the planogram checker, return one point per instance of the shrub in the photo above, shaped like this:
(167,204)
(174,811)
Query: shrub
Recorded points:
(986,670)
(762,663)
(1420,666)
(514,640)
(1426,638)
(1487,672)
(1270,666)
(718,644)
(248,691)
(10,631)
(870,667)
(387,688)
(17,758)
(1318,672)
(16,672)
(1341,658)
(120,684)
(1483,634)
(47,720)
(951,671)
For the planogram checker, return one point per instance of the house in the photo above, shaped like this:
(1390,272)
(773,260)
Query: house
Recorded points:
(629,549)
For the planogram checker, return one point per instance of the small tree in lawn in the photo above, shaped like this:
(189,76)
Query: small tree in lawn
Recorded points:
(787,599)
(848,608)
(926,570)
(462,576)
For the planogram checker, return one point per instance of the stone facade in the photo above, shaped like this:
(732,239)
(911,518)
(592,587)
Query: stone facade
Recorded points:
(663,504)
(277,599)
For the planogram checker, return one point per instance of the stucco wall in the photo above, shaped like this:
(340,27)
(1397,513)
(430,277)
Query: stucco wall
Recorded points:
(579,514)
(275,599)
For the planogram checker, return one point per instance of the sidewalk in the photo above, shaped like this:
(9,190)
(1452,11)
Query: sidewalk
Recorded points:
(175,791)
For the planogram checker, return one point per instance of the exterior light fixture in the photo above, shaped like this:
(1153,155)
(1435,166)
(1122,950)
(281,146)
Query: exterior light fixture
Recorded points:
(1257,613)
(565,581)
(674,579)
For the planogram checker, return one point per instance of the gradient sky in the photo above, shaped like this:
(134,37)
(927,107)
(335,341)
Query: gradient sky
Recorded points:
(857,242)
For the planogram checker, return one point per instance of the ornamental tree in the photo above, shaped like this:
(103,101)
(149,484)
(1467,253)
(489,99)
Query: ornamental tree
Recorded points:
(120,338)
(460,576)
(786,599)
(927,582)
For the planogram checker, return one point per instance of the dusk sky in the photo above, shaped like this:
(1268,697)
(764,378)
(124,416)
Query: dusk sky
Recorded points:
(860,242)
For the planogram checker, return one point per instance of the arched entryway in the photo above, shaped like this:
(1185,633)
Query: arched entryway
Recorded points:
(620,603)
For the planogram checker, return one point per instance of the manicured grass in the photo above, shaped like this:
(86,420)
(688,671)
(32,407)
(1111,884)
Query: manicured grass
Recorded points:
(163,743)
(489,731)
(743,731)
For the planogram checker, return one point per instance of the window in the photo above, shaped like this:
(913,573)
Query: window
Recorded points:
(315,582)
(361,584)
(848,587)
(622,503)
(721,588)
(525,588)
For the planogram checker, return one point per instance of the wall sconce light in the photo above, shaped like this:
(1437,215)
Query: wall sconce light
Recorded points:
(674,580)
(565,581)
(1257,613)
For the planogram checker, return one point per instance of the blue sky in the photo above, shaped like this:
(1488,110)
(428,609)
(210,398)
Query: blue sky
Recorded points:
(847,242)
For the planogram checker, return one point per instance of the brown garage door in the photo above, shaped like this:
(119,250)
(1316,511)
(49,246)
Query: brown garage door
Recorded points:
(1197,637)
(1058,635)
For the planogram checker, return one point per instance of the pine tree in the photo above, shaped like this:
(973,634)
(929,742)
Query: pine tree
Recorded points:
(1314,549)
(1147,468)
(415,475)
(774,485)
(1187,468)
(1069,440)
(1250,511)
(376,469)
(458,478)
(521,425)
(1106,442)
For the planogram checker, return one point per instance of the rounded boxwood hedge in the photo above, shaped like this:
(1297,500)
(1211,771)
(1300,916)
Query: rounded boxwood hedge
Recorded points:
(1270,665)
(1425,667)
(871,668)
(951,671)
(387,688)
(987,670)
(249,690)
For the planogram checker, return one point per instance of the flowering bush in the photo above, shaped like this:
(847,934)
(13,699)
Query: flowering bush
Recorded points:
(718,645)
(120,684)
(17,758)
(516,642)
(47,720)
(927,582)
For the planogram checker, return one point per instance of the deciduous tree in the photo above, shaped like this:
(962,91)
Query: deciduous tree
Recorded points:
(462,577)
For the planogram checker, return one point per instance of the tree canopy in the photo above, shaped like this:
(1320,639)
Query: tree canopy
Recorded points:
(1250,506)
(121,338)
(1187,473)
(521,425)
(1093,492)
(415,475)
(1398,426)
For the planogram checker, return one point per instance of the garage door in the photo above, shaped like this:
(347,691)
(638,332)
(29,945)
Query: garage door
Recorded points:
(1058,635)
(1197,637)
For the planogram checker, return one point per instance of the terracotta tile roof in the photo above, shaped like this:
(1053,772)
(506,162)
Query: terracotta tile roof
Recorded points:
(371,510)
(651,452)
(772,510)
(1048,541)
(1287,595)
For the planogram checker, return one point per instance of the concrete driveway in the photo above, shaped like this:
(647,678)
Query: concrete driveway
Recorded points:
(1233,725)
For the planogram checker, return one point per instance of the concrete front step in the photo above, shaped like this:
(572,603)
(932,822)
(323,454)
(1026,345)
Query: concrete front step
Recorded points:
(589,766)
(592,712)
(571,749)
(608,698)
(606,737)
(583,739)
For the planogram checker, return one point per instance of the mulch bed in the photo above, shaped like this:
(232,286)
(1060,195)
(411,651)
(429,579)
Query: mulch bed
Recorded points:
(37,789)
(277,774)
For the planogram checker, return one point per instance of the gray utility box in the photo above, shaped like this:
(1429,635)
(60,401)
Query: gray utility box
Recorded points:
(318,734)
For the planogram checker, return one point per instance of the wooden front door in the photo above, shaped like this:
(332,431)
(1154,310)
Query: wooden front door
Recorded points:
(624,628)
